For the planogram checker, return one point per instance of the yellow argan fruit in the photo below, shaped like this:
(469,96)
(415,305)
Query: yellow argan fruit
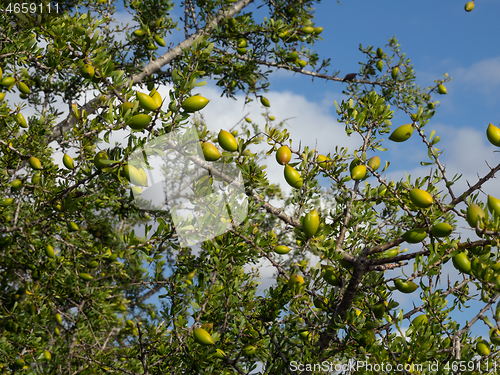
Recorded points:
(390,253)
(264,101)
(241,43)
(139,32)
(202,337)
(442,90)
(415,235)
(139,122)
(358,172)
(395,72)
(421,198)
(23,87)
(282,249)
(87,71)
(2,96)
(210,152)
(99,158)
(311,223)
(160,41)
(125,107)
(402,133)
(7,81)
(495,336)
(1,73)
(441,230)
(35,163)
(462,262)
(85,276)
(295,280)
(47,355)
(379,65)
(132,174)
(374,163)
(249,350)
(194,103)
(474,215)
(293,177)
(493,134)
(49,251)
(483,348)
(494,205)
(73,227)
(301,63)
(21,120)
(323,161)
(147,102)
(227,141)
(144,177)
(68,162)
(420,320)
(469,6)
(405,286)
(308,29)
(156,97)
(283,155)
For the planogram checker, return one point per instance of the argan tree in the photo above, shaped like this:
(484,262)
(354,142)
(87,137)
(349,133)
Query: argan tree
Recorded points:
(94,280)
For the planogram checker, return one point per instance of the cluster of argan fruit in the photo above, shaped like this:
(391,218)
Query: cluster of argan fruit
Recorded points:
(8,83)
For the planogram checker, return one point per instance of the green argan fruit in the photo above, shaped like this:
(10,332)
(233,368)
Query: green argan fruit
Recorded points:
(139,32)
(19,363)
(210,152)
(442,90)
(295,280)
(395,72)
(151,47)
(390,253)
(85,276)
(241,43)
(15,185)
(139,122)
(474,215)
(6,202)
(318,30)
(227,141)
(379,310)
(49,251)
(23,87)
(281,249)
(36,178)
(147,102)
(293,177)
(421,198)
(87,71)
(194,103)
(58,318)
(402,133)
(441,230)
(483,348)
(420,320)
(301,63)
(68,162)
(7,81)
(292,56)
(379,65)
(219,354)
(47,355)
(241,51)
(461,262)
(160,41)
(73,227)
(308,29)
(494,205)
(132,174)
(329,274)
(202,337)
(374,163)
(358,172)
(380,53)
(249,350)
(323,161)
(99,158)
(495,336)
(264,101)
(144,177)
(35,163)
(311,223)
(156,97)
(469,6)
(405,286)
(493,134)
(21,120)
(283,155)
(415,235)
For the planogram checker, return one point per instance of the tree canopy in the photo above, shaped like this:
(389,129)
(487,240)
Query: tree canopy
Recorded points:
(110,263)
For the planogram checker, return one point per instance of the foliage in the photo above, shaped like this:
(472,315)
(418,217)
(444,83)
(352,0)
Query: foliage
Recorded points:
(76,279)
